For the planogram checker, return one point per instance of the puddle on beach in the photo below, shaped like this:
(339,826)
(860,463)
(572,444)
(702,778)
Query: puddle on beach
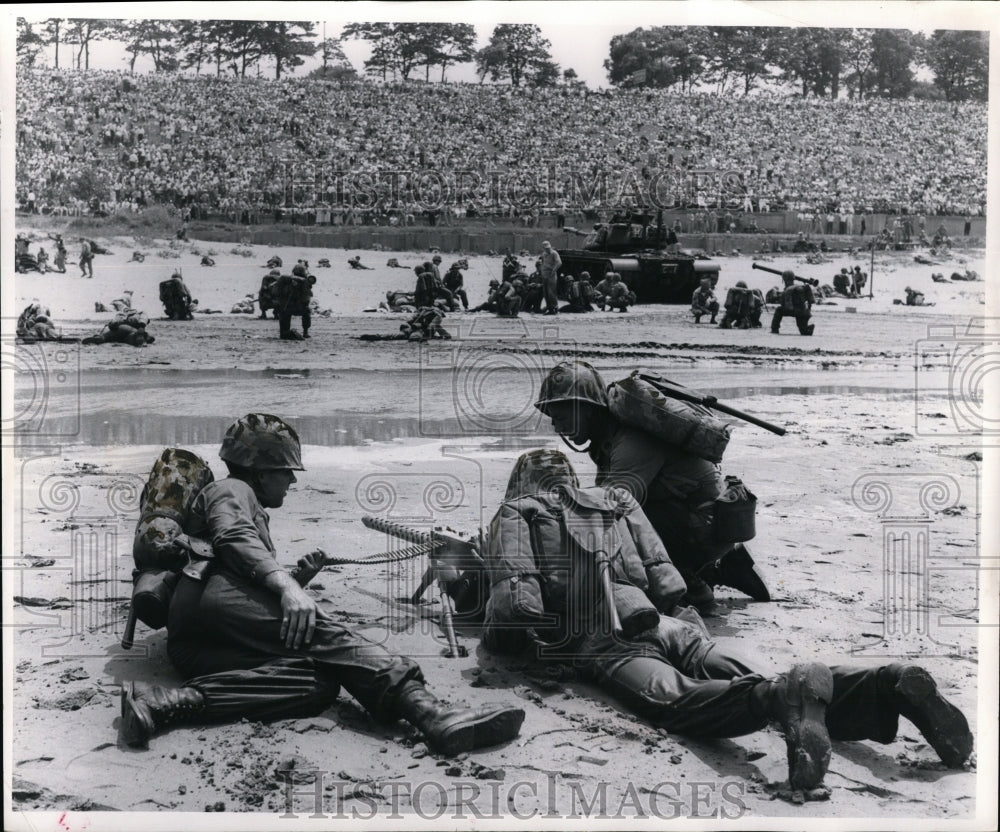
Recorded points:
(122,427)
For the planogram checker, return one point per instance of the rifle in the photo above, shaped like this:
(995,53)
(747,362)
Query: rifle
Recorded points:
(810,281)
(450,555)
(676,391)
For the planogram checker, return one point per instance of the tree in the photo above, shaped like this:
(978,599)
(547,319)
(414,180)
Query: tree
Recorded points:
(894,51)
(332,53)
(194,40)
(244,44)
(83,31)
(810,57)
(457,45)
(288,43)
(661,56)
(734,53)
(156,38)
(29,43)
(53,28)
(383,59)
(515,51)
(545,73)
(859,53)
(960,63)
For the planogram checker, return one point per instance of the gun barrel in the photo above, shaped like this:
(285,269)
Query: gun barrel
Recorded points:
(810,281)
(396,530)
(128,637)
(765,269)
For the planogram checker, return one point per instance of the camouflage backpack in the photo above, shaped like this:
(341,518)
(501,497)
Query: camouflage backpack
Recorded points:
(161,548)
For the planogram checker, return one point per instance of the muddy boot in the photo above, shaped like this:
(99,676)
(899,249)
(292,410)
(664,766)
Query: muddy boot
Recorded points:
(148,708)
(697,319)
(797,701)
(942,724)
(454,730)
(736,570)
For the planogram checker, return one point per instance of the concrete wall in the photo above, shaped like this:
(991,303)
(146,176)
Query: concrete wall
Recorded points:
(480,238)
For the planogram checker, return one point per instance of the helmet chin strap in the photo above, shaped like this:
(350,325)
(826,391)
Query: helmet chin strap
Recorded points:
(572,447)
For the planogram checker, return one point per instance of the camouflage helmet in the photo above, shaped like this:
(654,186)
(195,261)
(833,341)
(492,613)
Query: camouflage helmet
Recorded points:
(584,275)
(788,275)
(262,442)
(741,284)
(540,471)
(572,381)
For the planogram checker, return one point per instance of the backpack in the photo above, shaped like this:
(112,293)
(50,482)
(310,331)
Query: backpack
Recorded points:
(161,548)
(644,401)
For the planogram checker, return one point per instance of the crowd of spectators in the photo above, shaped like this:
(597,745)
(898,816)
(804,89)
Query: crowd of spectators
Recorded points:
(250,148)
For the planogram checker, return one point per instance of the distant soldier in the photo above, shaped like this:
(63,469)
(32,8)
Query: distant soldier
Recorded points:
(176,299)
(424,325)
(43,260)
(740,302)
(704,302)
(355,263)
(454,282)
(291,296)
(915,298)
(860,279)
(612,293)
(35,324)
(796,300)
(207,261)
(507,300)
(581,295)
(125,328)
(490,304)
(86,259)
(274,262)
(549,267)
(59,263)
(265,295)
(511,266)
(843,284)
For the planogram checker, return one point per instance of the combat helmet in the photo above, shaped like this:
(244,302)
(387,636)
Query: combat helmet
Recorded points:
(262,442)
(572,381)
(538,471)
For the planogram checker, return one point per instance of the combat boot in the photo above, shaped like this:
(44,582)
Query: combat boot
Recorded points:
(736,570)
(454,730)
(148,708)
(797,701)
(810,329)
(942,724)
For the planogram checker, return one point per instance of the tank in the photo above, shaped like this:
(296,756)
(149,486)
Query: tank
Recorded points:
(635,247)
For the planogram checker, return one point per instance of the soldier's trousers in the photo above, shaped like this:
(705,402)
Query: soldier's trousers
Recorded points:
(285,323)
(801,318)
(223,637)
(550,282)
(682,681)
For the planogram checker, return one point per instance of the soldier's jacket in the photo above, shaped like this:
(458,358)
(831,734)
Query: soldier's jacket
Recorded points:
(228,514)
(703,297)
(541,562)
(797,298)
(291,294)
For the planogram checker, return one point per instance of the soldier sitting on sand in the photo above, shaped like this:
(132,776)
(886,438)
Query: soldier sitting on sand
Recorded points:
(35,324)
(137,257)
(253,644)
(274,262)
(207,261)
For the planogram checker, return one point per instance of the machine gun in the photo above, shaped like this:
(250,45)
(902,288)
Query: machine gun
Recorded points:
(450,555)
(810,281)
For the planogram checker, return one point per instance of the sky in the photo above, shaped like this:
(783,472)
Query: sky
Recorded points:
(579,32)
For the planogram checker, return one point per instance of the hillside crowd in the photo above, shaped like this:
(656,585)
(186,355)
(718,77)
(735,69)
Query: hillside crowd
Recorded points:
(359,152)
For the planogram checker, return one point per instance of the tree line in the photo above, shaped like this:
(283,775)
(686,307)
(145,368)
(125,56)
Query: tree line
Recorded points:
(864,63)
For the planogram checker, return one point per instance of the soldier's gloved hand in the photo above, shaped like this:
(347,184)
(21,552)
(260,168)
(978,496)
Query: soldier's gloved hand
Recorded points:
(298,617)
